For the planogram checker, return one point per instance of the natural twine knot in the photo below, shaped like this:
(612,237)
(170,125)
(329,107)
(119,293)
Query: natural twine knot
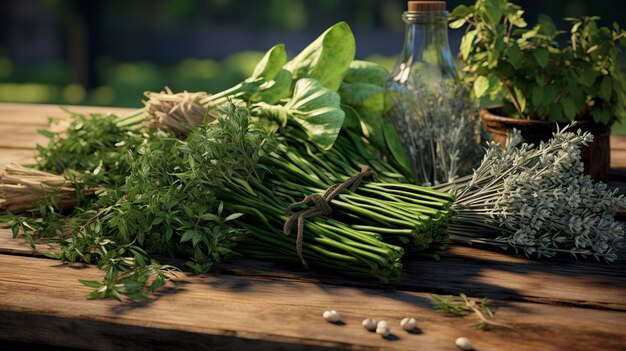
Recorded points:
(320,206)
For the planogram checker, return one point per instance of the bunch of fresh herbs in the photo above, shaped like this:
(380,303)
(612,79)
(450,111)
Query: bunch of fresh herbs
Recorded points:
(531,74)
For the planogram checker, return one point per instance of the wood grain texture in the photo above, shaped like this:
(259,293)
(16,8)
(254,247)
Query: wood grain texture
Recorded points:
(47,296)
(19,122)
(555,304)
(21,156)
(461,269)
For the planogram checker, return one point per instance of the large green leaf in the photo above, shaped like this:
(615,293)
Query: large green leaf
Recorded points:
(368,100)
(271,64)
(317,110)
(363,96)
(366,72)
(327,58)
(274,90)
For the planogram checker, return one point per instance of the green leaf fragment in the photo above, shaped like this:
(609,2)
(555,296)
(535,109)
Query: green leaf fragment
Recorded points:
(542,56)
(327,58)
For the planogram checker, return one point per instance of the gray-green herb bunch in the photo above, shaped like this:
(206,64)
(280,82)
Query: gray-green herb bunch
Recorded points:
(537,199)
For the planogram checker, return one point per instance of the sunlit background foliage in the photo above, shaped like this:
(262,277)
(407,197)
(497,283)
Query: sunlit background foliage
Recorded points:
(108,53)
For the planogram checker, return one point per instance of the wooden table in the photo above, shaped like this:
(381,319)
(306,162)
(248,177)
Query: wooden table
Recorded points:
(553,304)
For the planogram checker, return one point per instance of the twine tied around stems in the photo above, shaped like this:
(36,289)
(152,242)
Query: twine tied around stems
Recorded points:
(180,112)
(321,205)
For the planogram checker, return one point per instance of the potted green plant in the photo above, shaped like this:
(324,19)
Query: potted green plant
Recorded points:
(537,84)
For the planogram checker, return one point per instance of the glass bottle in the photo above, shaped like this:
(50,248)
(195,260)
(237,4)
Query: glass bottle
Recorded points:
(426,102)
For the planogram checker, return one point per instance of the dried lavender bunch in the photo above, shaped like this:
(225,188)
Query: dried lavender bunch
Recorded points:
(537,199)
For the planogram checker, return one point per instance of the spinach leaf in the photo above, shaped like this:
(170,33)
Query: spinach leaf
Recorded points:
(313,107)
(327,58)
(271,64)
(366,72)
(274,90)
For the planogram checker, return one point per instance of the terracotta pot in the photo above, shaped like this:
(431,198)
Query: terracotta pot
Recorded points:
(596,156)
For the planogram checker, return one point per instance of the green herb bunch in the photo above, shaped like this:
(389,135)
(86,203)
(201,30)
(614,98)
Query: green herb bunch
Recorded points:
(98,147)
(168,205)
(531,75)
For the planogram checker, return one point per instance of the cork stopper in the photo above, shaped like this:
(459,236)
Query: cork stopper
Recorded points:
(426,6)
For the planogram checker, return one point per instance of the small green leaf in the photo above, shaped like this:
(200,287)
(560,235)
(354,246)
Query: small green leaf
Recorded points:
(602,115)
(137,296)
(547,25)
(459,16)
(542,56)
(514,54)
(537,96)
(233,216)
(569,107)
(48,134)
(481,85)
(467,43)
(521,99)
(91,283)
(587,77)
(210,217)
(197,237)
(493,10)
(457,23)
(188,235)
(606,88)
(541,80)
(158,220)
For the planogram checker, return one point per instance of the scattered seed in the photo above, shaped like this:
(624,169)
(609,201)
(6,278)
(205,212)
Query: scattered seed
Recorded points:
(408,323)
(464,344)
(369,324)
(382,328)
(382,324)
(332,316)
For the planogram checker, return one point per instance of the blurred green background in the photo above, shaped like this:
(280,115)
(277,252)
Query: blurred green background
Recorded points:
(96,52)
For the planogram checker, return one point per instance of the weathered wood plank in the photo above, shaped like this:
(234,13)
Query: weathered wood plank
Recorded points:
(461,269)
(19,122)
(47,296)
(21,156)
(22,136)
